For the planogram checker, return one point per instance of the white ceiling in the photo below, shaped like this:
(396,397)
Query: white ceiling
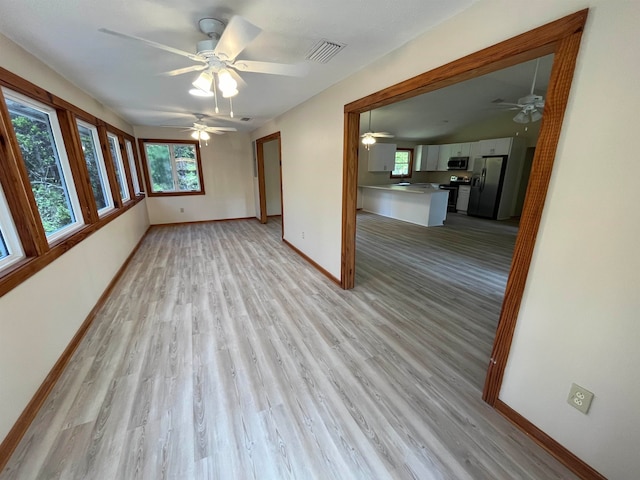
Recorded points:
(123,75)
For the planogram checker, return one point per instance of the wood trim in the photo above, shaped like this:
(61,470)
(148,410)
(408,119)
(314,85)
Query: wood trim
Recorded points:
(20,272)
(349,199)
(195,222)
(571,461)
(145,167)
(125,164)
(561,37)
(78,164)
(110,165)
(314,264)
(17,189)
(262,191)
(555,105)
(281,190)
(410,150)
(27,416)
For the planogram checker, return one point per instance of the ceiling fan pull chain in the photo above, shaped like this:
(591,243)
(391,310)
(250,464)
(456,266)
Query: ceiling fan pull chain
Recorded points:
(230,107)
(215,97)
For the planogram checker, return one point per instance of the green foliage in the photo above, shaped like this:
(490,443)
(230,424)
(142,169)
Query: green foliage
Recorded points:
(160,157)
(43,165)
(95,177)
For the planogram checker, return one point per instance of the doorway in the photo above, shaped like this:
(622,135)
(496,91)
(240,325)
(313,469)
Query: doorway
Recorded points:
(269,171)
(562,38)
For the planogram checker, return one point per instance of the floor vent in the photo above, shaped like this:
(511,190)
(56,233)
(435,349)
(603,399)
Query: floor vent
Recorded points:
(323,51)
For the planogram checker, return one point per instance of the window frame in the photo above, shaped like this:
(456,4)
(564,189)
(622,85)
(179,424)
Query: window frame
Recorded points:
(38,250)
(133,166)
(119,166)
(142,142)
(9,234)
(63,157)
(102,167)
(408,175)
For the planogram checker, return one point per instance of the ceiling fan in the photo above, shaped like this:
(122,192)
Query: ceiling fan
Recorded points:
(217,57)
(201,131)
(369,137)
(530,106)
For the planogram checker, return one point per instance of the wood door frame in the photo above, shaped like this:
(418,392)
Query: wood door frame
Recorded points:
(562,38)
(261,178)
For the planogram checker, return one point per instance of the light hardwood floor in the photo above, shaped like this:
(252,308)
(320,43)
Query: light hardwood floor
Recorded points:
(222,354)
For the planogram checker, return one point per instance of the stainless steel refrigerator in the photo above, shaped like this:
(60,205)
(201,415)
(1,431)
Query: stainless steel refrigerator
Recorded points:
(486,186)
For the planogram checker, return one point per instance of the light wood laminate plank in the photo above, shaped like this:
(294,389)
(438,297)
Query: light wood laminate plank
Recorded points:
(222,354)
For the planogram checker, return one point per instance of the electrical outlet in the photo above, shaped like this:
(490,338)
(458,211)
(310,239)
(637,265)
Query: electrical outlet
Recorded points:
(303,235)
(182,210)
(580,398)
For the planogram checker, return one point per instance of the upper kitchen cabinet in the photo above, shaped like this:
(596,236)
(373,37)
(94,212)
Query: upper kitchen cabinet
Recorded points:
(425,158)
(460,149)
(474,152)
(495,146)
(380,157)
(443,158)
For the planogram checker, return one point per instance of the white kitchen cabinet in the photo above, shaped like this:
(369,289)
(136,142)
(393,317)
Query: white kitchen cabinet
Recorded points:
(464,192)
(460,149)
(443,157)
(380,157)
(474,152)
(496,146)
(425,158)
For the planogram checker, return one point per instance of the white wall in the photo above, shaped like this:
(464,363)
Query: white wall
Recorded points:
(33,334)
(227,168)
(272,177)
(579,320)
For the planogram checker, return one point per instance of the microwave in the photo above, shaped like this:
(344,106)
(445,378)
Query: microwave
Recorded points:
(458,163)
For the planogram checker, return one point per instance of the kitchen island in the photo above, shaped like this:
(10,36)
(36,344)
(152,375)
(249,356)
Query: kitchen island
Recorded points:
(419,203)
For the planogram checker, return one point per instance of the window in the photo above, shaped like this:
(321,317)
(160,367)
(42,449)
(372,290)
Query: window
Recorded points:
(10,248)
(173,168)
(132,167)
(403,163)
(95,166)
(121,177)
(40,138)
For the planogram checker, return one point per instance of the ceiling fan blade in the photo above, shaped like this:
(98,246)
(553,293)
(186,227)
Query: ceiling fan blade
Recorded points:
(195,58)
(220,129)
(239,80)
(289,70)
(238,33)
(383,135)
(180,71)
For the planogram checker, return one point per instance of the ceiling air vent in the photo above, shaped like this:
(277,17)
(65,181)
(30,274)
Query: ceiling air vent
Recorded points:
(323,51)
(245,119)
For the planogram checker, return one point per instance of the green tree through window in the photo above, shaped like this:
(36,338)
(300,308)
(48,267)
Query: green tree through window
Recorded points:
(173,167)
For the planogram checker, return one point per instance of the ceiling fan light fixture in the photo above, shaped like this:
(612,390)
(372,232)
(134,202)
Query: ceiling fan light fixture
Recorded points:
(521,117)
(196,92)
(195,135)
(204,136)
(368,140)
(227,84)
(203,82)
(535,116)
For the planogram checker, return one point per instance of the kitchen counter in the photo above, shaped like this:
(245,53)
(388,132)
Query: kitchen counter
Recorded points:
(419,203)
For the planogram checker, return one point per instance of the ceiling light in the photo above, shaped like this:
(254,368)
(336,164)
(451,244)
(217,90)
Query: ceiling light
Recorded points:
(204,81)
(226,83)
(204,136)
(201,93)
(368,140)
(535,116)
(229,93)
(196,135)
(521,117)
